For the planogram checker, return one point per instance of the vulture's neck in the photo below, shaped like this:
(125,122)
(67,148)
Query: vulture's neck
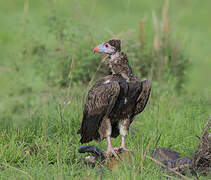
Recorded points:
(119,65)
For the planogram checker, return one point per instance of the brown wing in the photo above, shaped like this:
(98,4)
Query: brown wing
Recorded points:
(99,103)
(143,97)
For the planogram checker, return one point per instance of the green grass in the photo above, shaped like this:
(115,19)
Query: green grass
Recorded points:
(38,137)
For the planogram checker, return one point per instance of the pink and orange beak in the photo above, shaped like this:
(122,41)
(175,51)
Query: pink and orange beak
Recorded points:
(96,49)
(99,48)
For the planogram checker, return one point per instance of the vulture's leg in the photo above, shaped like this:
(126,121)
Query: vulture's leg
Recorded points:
(105,131)
(123,142)
(123,129)
(110,149)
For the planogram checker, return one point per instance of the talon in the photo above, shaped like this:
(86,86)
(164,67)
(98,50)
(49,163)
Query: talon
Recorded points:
(120,149)
(123,149)
(111,152)
(116,149)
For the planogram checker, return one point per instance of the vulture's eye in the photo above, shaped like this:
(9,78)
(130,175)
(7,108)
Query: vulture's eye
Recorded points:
(106,45)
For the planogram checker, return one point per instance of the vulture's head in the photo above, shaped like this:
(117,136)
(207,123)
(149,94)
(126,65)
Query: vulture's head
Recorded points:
(110,47)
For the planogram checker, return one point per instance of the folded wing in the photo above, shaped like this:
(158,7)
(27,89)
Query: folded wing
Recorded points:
(143,97)
(99,103)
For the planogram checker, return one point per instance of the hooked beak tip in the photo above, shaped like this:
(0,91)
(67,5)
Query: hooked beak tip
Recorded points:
(96,49)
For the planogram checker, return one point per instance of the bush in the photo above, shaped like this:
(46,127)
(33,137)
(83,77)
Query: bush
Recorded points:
(70,57)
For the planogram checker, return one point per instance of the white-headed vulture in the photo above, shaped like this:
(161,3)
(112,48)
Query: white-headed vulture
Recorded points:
(114,101)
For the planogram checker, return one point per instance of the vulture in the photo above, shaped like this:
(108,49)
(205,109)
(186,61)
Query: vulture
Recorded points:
(114,101)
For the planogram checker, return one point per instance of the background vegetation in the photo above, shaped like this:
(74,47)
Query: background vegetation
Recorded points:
(47,67)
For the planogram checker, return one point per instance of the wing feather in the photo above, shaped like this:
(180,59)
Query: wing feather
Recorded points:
(99,103)
(143,97)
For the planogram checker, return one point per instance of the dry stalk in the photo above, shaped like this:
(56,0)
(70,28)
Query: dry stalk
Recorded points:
(92,79)
(142,35)
(67,97)
(165,21)
(59,166)
(144,155)
(110,32)
(156,42)
(113,35)
(25,12)
(167,176)
(3,150)
(22,171)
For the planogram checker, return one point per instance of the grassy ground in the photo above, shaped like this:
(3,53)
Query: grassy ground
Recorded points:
(38,137)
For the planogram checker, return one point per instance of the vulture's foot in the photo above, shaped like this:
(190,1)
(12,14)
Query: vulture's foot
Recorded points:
(110,149)
(123,149)
(120,149)
(116,148)
(111,152)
